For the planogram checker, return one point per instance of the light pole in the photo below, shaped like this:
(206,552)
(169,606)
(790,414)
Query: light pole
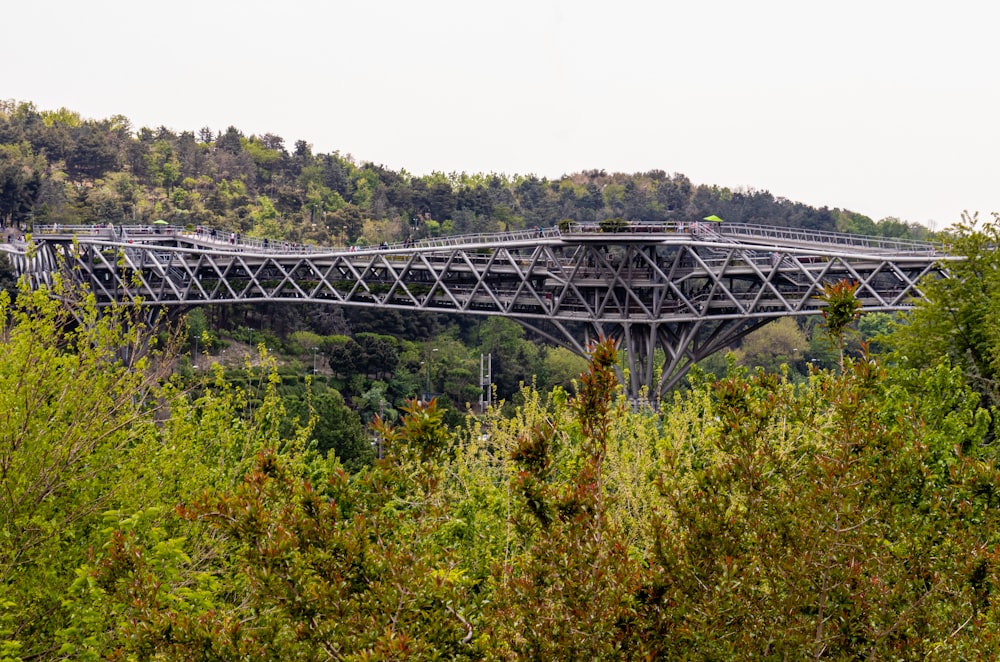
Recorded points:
(314,359)
(427,371)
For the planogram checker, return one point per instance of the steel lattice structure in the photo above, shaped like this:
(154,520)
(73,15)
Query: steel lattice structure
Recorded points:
(689,289)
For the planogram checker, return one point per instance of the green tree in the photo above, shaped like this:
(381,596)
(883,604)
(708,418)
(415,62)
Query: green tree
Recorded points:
(841,309)
(209,441)
(21,174)
(822,521)
(841,517)
(568,594)
(776,343)
(344,355)
(164,166)
(515,360)
(956,320)
(200,337)
(348,221)
(336,428)
(73,411)
(264,219)
(93,153)
(562,367)
(873,329)
(323,565)
(379,354)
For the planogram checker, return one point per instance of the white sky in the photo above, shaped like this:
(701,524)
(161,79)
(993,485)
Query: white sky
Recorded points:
(884,107)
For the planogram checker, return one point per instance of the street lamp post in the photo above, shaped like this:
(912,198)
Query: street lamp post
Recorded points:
(427,372)
(314,359)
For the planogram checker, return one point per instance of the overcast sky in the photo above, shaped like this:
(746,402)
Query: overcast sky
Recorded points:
(884,107)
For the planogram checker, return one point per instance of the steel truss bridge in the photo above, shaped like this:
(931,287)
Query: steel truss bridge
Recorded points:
(689,289)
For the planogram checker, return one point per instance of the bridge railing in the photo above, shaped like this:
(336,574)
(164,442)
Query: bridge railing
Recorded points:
(226,238)
(714,230)
(486,237)
(820,236)
(705,230)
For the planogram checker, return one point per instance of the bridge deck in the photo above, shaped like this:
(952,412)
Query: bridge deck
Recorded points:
(668,232)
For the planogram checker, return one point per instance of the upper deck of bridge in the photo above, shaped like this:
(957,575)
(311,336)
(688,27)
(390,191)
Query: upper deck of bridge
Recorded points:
(759,236)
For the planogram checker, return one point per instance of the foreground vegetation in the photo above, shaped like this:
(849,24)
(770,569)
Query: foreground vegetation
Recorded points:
(153,507)
(851,515)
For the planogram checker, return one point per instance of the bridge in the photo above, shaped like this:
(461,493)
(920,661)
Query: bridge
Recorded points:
(686,288)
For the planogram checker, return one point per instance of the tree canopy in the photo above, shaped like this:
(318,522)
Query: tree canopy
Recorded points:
(847,516)
(58,167)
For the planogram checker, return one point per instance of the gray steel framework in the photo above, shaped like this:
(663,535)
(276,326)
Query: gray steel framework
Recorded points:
(689,289)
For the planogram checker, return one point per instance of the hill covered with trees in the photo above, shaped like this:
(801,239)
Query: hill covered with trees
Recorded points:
(57,167)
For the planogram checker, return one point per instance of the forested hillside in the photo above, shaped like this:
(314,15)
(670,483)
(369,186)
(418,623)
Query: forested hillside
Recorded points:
(57,167)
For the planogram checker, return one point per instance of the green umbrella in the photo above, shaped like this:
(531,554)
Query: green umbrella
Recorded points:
(712,218)
(160,221)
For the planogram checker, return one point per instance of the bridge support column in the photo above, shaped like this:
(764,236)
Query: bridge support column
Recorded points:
(646,376)
(637,344)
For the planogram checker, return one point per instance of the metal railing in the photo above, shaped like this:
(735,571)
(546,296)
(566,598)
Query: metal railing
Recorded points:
(702,230)
(233,240)
(827,238)
(713,230)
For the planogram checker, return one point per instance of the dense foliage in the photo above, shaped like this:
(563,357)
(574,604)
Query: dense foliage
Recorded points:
(157,507)
(957,319)
(57,167)
(852,515)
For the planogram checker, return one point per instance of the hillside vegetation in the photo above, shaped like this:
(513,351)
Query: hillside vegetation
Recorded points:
(57,167)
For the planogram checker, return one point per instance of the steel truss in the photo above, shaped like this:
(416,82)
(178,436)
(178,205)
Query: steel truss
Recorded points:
(686,291)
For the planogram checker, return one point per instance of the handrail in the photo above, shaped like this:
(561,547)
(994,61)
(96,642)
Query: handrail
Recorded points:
(704,230)
(826,237)
(715,230)
(227,238)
